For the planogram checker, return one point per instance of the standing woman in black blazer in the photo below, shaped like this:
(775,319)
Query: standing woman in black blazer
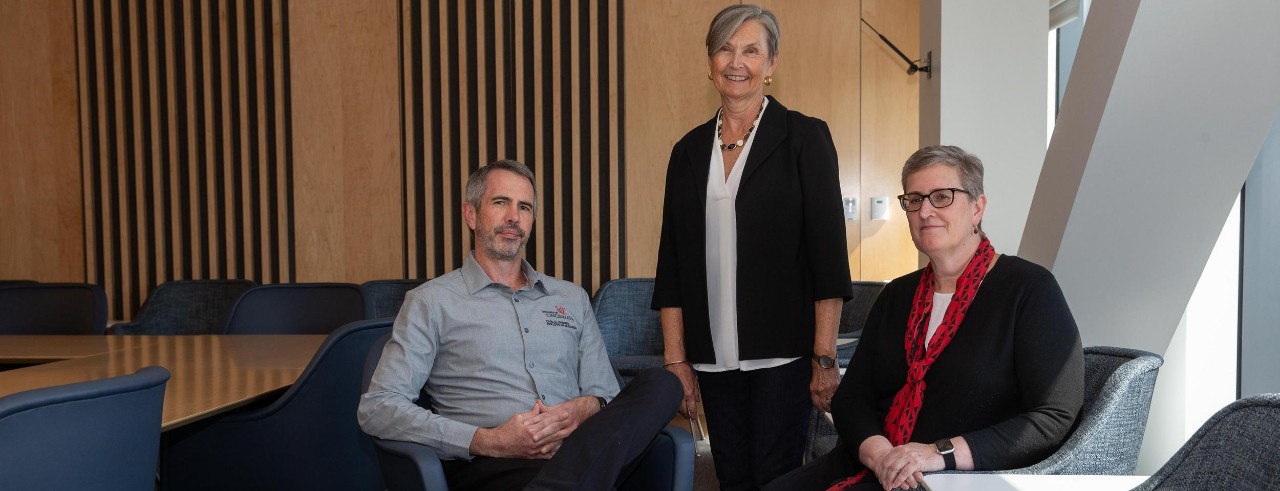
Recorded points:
(752,266)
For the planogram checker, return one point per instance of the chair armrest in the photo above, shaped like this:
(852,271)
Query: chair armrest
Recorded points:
(121,328)
(409,466)
(683,478)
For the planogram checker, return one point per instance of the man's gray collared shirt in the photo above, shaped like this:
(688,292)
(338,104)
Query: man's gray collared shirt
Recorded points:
(484,353)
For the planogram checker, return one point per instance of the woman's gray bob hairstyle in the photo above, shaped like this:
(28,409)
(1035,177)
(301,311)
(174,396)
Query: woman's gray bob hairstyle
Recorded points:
(732,17)
(968,165)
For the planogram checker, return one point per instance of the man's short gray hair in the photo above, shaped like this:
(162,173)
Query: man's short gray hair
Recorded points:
(732,17)
(968,165)
(479,180)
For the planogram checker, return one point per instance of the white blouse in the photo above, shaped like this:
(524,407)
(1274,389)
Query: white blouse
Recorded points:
(722,261)
(940,303)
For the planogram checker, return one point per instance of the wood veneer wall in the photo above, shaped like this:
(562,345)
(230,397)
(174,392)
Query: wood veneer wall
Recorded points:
(185,143)
(41,233)
(890,132)
(831,67)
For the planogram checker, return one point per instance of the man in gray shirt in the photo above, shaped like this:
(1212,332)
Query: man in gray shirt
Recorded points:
(514,365)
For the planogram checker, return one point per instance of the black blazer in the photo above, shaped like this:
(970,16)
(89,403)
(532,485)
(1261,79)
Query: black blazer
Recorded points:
(791,241)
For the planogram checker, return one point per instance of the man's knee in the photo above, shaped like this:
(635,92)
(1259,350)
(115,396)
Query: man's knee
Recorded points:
(660,385)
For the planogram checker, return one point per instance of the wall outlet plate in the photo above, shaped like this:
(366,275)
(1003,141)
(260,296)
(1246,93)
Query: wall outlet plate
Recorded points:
(851,209)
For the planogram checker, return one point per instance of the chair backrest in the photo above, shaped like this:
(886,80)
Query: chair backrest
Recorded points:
(103,434)
(371,363)
(308,438)
(53,308)
(1234,449)
(187,307)
(853,314)
(383,298)
(296,308)
(1108,433)
(627,324)
(322,406)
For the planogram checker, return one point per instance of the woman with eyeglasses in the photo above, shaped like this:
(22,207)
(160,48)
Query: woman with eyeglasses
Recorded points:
(972,363)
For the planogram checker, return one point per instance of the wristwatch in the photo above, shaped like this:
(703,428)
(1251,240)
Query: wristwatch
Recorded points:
(825,362)
(603,402)
(948,452)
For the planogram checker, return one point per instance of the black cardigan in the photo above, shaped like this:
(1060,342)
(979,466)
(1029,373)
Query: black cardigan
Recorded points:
(791,241)
(1011,381)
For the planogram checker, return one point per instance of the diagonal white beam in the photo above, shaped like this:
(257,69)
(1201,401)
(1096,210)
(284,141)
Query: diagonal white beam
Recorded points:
(1167,106)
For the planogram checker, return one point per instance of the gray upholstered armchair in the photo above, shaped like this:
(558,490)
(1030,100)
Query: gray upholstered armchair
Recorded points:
(186,307)
(1108,434)
(1235,449)
(1118,383)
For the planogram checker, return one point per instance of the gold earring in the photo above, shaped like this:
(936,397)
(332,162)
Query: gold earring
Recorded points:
(768,81)
(709,76)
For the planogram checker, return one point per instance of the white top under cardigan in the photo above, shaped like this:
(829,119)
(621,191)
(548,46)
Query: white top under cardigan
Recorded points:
(722,261)
(940,303)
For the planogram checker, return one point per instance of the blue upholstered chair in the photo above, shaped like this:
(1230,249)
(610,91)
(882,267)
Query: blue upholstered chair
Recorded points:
(102,435)
(307,439)
(186,307)
(53,308)
(667,464)
(631,330)
(1234,449)
(296,308)
(383,298)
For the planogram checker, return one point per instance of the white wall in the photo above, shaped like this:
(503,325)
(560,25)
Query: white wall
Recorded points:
(987,95)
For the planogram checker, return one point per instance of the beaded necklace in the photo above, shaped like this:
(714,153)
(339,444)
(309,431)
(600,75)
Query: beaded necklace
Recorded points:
(741,141)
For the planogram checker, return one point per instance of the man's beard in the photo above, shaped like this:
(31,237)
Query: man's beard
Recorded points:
(494,246)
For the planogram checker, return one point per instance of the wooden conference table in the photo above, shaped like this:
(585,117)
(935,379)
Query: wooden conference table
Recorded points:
(208,374)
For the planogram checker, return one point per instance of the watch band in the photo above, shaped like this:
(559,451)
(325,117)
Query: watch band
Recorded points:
(948,452)
(603,402)
(825,362)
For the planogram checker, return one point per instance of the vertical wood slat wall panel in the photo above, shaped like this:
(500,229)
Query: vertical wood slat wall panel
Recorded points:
(539,81)
(185,143)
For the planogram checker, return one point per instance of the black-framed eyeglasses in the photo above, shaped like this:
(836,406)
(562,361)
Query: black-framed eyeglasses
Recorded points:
(939,198)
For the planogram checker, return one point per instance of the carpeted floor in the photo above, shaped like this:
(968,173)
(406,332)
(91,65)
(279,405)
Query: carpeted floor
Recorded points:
(704,471)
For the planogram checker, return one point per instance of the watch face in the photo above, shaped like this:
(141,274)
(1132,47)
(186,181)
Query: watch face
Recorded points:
(944,446)
(826,361)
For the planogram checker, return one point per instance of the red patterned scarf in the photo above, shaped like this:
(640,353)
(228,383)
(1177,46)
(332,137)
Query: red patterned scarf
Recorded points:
(901,421)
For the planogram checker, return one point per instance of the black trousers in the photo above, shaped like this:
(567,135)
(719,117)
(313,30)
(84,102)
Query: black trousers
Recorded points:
(824,471)
(600,453)
(757,421)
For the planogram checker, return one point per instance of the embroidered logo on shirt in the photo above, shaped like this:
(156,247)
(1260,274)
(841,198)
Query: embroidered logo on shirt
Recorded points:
(559,318)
